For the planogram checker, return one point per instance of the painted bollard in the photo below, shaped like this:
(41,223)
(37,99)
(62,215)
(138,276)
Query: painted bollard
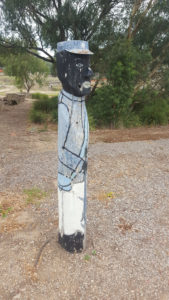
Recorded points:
(73,67)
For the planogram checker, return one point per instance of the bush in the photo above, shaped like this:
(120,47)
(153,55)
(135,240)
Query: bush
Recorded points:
(92,122)
(110,105)
(151,107)
(37,116)
(107,107)
(44,108)
(144,96)
(39,96)
(132,120)
(100,106)
(54,116)
(156,113)
(45,105)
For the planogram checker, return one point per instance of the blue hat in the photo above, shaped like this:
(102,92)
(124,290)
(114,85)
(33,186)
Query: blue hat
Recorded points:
(76,47)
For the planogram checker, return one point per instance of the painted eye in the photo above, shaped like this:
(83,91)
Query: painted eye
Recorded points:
(79,65)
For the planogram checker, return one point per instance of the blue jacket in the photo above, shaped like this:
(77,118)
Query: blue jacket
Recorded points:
(73,132)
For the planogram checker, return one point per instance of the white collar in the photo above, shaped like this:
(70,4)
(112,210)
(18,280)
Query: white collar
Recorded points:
(72,97)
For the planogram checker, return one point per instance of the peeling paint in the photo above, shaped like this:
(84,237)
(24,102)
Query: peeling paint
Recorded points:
(73,132)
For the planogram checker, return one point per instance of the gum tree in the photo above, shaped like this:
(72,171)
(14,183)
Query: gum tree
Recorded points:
(39,25)
(26,69)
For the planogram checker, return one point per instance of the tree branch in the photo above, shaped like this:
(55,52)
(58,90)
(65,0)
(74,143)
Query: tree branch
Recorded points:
(133,13)
(107,8)
(35,17)
(160,60)
(35,11)
(41,57)
(55,6)
(161,53)
(155,69)
(7,45)
(44,51)
(149,6)
(59,3)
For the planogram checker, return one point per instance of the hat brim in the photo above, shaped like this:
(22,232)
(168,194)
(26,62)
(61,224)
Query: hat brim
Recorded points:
(80,51)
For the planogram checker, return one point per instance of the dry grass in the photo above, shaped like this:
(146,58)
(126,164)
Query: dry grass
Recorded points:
(127,251)
(106,197)
(31,272)
(10,205)
(14,200)
(124,225)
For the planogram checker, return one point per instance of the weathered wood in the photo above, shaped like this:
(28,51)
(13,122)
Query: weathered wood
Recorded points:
(73,130)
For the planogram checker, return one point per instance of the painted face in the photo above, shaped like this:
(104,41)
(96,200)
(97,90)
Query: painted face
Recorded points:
(74,72)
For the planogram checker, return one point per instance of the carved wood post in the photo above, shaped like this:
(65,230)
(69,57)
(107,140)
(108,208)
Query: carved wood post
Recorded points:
(73,59)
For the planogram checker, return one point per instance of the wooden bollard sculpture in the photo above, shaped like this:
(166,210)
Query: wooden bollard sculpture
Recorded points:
(73,59)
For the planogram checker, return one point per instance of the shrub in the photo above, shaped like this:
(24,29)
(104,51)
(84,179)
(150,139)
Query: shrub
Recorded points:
(100,106)
(44,108)
(42,105)
(156,113)
(37,116)
(54,116)
(92,122)
(142,97)
(107,107)
(110,105)
(39,96)
(45,105)
(55,101)
(132,120)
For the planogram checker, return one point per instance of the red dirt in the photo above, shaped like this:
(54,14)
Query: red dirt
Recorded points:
(133,134)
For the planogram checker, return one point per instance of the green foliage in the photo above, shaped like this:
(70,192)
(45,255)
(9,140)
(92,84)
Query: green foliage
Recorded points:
(148,107)
(132,120)
(110,105)
(87,257)
(37,117)
(145,25)
(100,106)
(34,195)
(155,113)
(92,122)
(162,82)
(117,103)
(108,108)
(71,20)
(26,69)
(144,96)
(151,106)
(45,104)
(39,96)
(44,109)
(4,211)
(53,70)
(54,116)
(130,42)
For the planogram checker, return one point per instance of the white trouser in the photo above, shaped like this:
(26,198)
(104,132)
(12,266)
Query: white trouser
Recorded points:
(71,210)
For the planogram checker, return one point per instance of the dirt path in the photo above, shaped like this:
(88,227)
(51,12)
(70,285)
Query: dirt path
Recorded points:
(127,255)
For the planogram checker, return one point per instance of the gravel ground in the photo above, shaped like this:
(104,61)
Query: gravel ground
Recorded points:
(127,254)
